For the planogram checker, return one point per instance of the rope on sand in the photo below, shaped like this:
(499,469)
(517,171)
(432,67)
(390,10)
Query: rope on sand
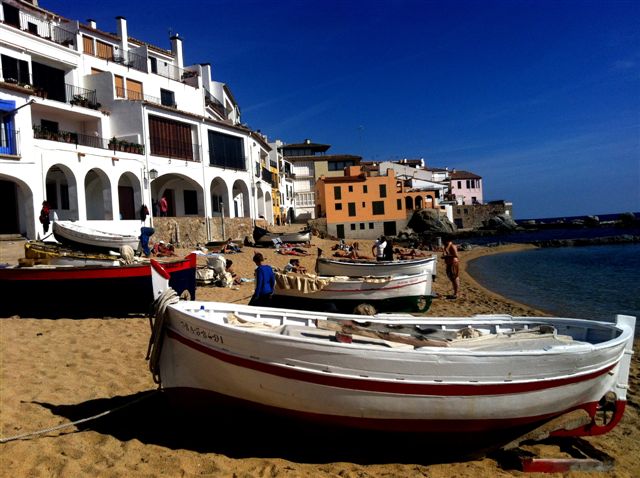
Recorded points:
(82,420)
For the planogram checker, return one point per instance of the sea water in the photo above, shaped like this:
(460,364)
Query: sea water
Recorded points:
(593,282)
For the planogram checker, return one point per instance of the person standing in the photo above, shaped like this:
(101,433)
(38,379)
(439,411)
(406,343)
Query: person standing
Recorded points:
(45,220)
(452,262)
(378,248)
(265,282)
(388,251)
(164,207)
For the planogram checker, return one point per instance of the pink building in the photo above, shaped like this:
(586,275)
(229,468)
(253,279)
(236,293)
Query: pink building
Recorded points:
(466,187)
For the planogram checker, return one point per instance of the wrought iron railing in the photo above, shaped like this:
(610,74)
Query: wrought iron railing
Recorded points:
(132,95)
(79,96)
(45,29)
(91,141)
(212,102)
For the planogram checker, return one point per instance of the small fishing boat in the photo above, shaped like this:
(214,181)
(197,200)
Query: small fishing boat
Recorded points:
(394,372)
(52,291)
(263,237)
(400,293)
(335,266)
(83,237)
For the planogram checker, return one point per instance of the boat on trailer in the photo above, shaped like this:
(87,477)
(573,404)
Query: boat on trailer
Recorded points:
(394,372)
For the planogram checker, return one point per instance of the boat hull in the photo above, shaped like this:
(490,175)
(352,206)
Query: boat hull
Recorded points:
(410,293)
(356,386)
(85,238)
(326,266)
(88,291)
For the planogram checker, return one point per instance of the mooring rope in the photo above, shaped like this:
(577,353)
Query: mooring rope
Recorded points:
(82,420)
(169,296)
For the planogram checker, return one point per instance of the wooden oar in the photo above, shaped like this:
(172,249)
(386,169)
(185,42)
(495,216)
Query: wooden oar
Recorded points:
(349,327)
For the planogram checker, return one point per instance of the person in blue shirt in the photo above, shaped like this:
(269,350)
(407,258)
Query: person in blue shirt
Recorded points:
(265,282)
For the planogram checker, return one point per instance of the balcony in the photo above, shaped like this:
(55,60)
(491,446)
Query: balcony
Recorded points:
(132,95)
(213,103)
(78,139)
(38,26)
(78,96)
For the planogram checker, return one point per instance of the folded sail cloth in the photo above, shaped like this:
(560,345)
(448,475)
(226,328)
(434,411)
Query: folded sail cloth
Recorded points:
(300,282)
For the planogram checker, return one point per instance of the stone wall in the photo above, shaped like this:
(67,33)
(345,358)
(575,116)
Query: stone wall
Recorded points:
(472,216)
(192,231)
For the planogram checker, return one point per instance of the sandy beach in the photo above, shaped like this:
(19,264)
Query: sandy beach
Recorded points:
(59,371)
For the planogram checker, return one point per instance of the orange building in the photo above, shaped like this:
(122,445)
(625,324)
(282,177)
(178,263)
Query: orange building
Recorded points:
(358,206)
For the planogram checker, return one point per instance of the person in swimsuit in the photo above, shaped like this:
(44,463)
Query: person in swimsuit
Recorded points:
(452,262)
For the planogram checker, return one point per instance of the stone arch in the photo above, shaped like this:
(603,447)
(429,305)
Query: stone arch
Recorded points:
(62,192)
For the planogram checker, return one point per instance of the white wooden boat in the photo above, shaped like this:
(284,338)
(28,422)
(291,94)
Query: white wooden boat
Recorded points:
(82,237)
(336,266)
(401,293)
(394,373)
(263,237)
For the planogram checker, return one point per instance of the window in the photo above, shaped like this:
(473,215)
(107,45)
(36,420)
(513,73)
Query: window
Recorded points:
(361,225)
(104,50)
(15,71)
(119,82)
(7,128)
(399,204)
(337,192)
(134,90)
(338,206)
(364,189)
(459,184)
(364,204)
(370,225)
(340,231)
(383,190)
(170,138)
(154,64)
(353,227)
(167,98)
(226,151)
(47,125)
(336,165)
(350,189)
(32,28)
(87,45)
(352,209)
(378,208)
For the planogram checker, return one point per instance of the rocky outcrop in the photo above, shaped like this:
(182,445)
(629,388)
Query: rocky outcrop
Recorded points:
(501,222)
(594,241)
(431,221)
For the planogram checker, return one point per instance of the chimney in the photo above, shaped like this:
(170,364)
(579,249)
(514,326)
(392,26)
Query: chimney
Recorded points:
(92,23)
(176,50)
(123,33)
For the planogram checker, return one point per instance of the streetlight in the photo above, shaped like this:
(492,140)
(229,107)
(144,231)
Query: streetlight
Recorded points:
(222,219)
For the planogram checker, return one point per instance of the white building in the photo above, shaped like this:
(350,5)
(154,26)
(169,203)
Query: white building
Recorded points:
(99,124)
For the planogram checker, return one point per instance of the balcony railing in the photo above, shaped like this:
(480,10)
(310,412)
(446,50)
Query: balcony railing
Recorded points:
(81,96)
(45,29)
(175,73)
(91,141)
(132,95)
(267,175)
(130,59)
(212,102)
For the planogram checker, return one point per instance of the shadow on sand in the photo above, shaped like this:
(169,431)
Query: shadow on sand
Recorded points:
(243,433)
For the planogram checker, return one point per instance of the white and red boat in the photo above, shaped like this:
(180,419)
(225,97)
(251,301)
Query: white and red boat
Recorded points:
(402,293)
(395,372)
(336,266)
(52,291)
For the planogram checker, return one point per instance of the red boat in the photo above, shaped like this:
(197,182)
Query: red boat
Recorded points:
(88,291)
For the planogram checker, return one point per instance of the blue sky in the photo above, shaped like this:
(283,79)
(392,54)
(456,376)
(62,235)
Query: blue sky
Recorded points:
(540,98)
